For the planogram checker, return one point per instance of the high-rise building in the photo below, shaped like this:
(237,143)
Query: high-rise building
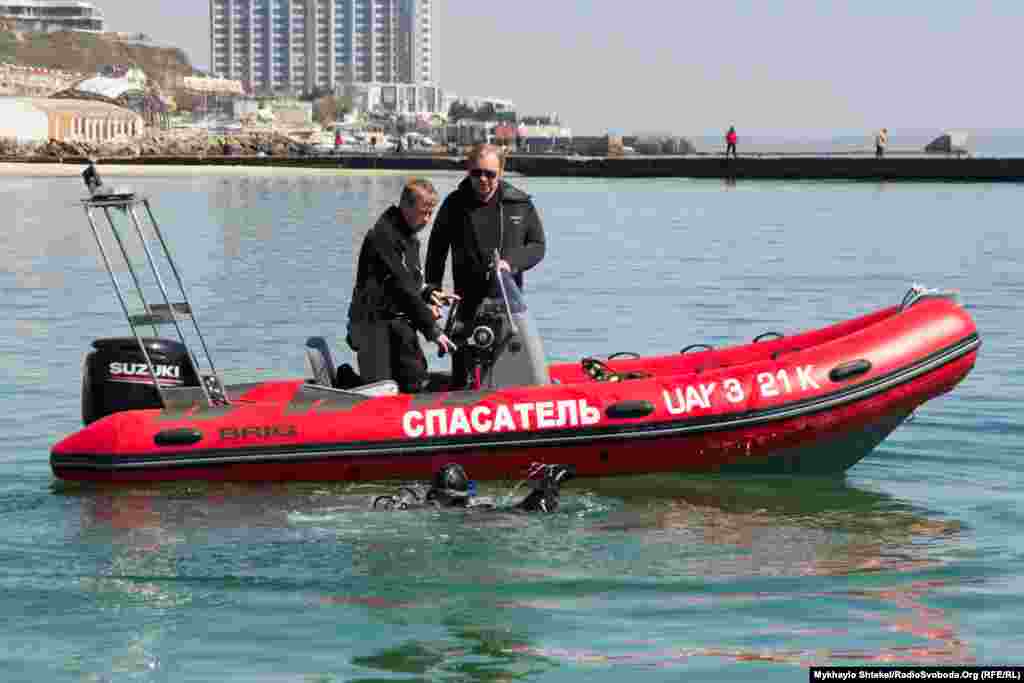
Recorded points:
(303,45)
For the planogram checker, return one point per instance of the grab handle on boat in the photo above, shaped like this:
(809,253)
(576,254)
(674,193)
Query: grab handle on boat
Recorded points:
(692,347)
(629,408)
(184,436)
(621,354)
(765,335)
(845,371)
(775,354)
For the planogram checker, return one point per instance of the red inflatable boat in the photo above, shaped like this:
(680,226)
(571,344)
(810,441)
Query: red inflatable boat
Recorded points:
(816,402)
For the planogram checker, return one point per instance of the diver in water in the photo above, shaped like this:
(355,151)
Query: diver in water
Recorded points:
(451,488)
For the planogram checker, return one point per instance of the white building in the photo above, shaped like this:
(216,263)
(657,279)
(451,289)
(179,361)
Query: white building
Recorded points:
(51,15)
(303,45)
(37,119)
(400,98)
(478,101)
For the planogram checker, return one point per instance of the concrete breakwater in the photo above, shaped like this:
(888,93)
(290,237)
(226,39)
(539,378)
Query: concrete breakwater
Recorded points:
(916,168)
(920,168)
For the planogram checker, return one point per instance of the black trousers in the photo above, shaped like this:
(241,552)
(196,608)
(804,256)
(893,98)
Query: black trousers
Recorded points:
(390,349)
(460,369)
(730,147)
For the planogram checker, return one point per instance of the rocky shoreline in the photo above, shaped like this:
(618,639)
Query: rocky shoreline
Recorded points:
(183,142)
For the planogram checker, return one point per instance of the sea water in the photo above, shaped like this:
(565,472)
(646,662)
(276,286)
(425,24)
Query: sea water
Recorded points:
(914,557)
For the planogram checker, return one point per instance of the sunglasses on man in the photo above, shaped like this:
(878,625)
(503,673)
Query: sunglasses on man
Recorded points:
(483,172)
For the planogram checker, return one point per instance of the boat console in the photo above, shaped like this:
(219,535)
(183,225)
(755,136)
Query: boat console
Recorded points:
(503,345)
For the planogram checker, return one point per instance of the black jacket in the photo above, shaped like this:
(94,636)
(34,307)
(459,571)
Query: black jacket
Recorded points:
(389,280)
(463,225)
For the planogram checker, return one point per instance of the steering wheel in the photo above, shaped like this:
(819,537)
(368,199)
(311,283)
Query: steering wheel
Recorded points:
(598,370)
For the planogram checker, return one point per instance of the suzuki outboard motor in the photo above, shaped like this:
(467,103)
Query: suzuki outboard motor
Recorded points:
(504,342)
(116,377)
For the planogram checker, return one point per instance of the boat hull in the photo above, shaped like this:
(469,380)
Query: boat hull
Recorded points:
(815,403)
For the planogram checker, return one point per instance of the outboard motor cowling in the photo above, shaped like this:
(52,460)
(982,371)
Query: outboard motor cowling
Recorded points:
(116,377)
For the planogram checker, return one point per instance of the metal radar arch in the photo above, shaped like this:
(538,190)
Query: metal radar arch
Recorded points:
(101,202)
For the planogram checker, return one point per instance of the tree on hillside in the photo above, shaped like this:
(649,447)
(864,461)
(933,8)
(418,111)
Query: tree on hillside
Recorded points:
(187,100)
(330,108)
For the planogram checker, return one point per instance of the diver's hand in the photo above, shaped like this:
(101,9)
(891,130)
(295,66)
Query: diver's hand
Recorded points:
(436,312)
(503,265)
(445,345)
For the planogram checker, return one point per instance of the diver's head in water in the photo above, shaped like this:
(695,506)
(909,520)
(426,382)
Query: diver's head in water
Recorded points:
(450,486)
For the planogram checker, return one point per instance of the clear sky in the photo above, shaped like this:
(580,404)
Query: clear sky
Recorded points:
(767,66)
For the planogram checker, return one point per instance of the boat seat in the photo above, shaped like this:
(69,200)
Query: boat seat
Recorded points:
(319,362)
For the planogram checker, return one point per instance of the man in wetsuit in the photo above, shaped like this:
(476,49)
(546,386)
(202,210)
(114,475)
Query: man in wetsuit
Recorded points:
(390,303)
(483,215)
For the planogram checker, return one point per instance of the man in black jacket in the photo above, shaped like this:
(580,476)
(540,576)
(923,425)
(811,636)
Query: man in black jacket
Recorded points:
(390,303)
(482,216)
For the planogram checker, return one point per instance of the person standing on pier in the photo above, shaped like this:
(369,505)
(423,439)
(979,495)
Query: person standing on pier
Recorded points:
(730,142)
(881,141)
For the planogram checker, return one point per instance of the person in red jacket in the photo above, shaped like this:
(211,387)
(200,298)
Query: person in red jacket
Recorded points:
(730,142)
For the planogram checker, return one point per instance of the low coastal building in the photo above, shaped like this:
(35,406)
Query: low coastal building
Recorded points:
(38,119)
(51,15)
(292,112)
(950,142)
(126,87)
(410,98)
(495,104)
(205,85)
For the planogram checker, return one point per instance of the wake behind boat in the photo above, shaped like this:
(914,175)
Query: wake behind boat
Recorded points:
(816,402)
